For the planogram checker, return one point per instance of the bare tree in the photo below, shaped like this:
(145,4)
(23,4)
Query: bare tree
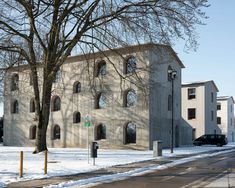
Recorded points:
(45,33)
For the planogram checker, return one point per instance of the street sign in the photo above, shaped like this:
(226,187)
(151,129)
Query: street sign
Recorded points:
(87,124)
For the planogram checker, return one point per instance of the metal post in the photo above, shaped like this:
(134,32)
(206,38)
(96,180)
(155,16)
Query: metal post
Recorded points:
(93,161)
(172,114)
(21,163)
(88,157)
(45,162)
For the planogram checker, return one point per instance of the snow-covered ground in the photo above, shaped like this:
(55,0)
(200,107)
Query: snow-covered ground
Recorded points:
(64,161)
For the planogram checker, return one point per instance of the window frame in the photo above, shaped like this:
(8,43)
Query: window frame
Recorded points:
(77,87)
(15,107)
(100,68)
(191,93)
(76,118)
(54,107)
(126,99)
(191,116)
(15,82)
(128,66)
(55,135)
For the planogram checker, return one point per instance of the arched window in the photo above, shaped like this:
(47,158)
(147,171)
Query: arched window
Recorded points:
(169,102)
(15,107)
(129,133)
(32,132)
(57,76)
(100,68)
(55,103)
(32,105)
(76,117)
(77,87)
(100,132)
(55,132)
(100,101)
(130,98)
(15,82)
(130,65)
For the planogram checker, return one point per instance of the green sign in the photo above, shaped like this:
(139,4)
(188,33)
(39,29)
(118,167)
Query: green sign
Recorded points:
(87,124)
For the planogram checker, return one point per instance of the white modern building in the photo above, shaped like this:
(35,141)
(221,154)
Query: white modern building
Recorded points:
(225,116)
(126,91)
(199,107)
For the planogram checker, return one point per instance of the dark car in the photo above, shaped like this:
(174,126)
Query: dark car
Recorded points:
(211,139)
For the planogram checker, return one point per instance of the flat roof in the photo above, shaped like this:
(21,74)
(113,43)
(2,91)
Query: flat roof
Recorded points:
(221,98)
(198,83)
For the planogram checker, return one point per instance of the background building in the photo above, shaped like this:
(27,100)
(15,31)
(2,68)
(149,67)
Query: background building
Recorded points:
(225,116)
(199,100)
(128,96)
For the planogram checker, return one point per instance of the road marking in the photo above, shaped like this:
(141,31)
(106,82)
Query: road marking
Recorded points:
(168,178)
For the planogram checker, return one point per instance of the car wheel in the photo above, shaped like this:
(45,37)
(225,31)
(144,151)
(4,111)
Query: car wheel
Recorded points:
(219,145)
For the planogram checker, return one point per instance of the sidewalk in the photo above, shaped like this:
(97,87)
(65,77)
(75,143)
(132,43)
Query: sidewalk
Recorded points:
(111,172)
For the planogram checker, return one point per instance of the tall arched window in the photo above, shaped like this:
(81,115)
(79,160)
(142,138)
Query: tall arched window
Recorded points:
(100,68)
(100,100)
(56,103)
(32,132)
(100,132)
(15,82)
(32,105)
(76,117)
(77,87)
(15,107)
(129,133)
(130,65)
(130,98)
(57,76)
(55,132)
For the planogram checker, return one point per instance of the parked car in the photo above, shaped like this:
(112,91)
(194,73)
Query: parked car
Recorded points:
(211,139)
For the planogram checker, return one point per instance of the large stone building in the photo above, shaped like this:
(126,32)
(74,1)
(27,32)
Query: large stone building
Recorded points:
(225,116)
(199,101)
(128,97)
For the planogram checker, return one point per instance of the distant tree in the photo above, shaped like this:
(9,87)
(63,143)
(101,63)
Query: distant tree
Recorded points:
(47,31)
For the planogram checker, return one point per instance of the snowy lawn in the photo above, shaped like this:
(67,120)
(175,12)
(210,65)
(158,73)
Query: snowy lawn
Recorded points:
(64,161)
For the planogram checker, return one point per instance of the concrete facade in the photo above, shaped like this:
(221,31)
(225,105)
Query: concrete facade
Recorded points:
(199,108)
(150,113)
(225,116)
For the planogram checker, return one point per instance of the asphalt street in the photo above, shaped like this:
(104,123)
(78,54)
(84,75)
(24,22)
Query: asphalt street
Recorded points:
(216,171)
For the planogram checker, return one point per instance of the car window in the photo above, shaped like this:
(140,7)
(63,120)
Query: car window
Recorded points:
(212,136)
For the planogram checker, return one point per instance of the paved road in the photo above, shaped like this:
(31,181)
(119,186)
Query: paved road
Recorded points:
(216,171)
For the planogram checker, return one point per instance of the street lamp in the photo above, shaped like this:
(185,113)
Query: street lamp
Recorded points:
(172,76)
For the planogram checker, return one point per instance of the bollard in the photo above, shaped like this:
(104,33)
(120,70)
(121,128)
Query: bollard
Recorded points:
(45,163)
(21,164)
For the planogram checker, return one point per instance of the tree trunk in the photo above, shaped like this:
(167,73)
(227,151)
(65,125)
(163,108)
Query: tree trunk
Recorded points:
(43,116)
(41,143)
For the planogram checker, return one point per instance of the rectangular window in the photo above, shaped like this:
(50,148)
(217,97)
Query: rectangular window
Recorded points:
(191,93)
(212,115)
(192,113)
(231,108)
(218,106)
(219,120)
(212,97)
